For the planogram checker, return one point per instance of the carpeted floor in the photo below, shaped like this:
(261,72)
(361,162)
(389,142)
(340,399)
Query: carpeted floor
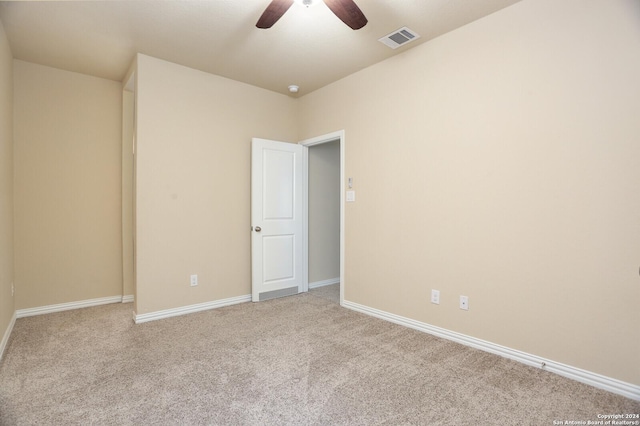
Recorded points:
(299,360)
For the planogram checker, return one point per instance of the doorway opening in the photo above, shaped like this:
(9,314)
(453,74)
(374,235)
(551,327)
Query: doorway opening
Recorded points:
(323,214)
(128,190)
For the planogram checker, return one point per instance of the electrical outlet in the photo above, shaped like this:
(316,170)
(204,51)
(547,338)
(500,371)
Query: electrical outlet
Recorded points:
(194,280)
(464,303)
(13,290)
(435,297)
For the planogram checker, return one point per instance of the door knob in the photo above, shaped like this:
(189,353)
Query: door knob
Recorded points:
(258,229)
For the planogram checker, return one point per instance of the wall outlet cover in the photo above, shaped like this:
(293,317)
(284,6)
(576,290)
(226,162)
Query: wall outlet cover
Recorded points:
(464,303)
(435,297)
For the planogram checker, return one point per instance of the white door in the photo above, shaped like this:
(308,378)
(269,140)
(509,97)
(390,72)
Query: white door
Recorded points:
(276,219)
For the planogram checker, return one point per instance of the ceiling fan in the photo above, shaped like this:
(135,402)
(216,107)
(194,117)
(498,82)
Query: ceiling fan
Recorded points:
(346,10)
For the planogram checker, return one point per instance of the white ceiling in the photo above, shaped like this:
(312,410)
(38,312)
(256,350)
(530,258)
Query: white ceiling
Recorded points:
(309,47)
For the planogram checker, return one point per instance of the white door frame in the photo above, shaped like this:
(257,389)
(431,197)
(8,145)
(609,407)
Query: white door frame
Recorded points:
(307,143)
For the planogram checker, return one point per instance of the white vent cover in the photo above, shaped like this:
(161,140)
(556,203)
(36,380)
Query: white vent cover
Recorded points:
(399,37)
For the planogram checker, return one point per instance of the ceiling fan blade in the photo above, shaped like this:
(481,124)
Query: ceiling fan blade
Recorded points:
(273,12)
(348,12)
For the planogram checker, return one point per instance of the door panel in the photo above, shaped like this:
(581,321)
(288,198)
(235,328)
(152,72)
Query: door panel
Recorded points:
(279,257)
(279,179)
(276,219)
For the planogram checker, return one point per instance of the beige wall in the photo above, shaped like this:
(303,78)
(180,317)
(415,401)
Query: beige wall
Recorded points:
(193,172)
(502,165)
(324,212)
(67,153)
(6,184)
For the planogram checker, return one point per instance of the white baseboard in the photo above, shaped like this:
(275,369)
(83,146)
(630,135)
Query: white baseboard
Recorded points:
(322,283)
(128,298)
(599,381)
(174,312)
(21,313)
(7,334)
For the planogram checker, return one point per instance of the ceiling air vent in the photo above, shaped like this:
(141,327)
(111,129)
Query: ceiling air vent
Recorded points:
(399,37)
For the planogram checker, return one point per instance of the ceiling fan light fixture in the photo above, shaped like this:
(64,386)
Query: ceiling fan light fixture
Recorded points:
(346,10)
(306,3)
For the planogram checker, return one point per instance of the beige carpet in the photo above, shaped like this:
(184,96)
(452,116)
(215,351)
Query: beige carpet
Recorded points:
(300,360)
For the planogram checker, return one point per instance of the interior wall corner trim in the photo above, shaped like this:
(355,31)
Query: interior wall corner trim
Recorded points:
(183,310)
(29,312)
(7,334)
(610,384)
(323,283)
